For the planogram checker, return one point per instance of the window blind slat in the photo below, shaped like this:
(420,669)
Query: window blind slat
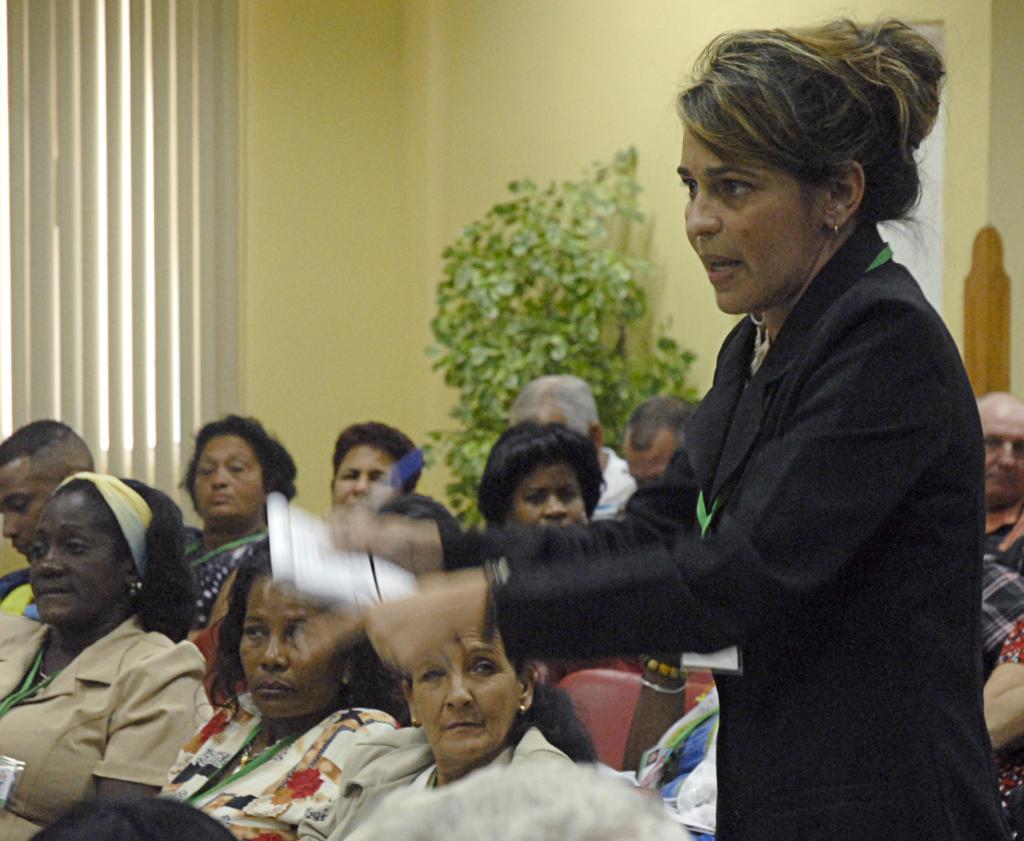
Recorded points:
(107,143)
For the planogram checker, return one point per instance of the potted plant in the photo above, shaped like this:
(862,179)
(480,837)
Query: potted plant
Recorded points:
(545,283)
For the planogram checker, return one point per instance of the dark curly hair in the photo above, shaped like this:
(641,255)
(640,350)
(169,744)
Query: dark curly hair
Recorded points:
(554,715)
(164,602)
(523,448)
(276,463)
(364,681)
(380,436)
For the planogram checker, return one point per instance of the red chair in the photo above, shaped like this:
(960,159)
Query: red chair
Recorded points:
(605,700)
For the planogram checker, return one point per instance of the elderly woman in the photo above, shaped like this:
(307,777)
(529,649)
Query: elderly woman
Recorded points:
(234,466)
(363,457)
(824,515)
(539,475)
(98,696)
(311,683)
(471,707)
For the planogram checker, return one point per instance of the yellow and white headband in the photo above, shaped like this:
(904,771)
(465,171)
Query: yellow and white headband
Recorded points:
(130,510)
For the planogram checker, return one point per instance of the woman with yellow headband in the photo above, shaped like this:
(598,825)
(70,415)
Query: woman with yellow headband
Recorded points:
(96,700)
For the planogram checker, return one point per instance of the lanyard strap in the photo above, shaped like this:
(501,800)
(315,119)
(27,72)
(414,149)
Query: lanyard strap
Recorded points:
(207,790)
(883,256)
(704,517)
(27,690)
(234,544)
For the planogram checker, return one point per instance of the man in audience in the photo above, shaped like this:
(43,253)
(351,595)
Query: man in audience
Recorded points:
(655,430)
(33,461)
(568,400)
(1002,423)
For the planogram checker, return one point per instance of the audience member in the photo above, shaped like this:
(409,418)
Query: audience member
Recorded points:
(539,475)
(526,803)
(1004,717)
(98,697)
(236,463)
(568,400)
(655,430)
(33,461)
(825,520)
(364,455)
(1002,593)
(312,684)
(470,707)
(134,819)
(543,475)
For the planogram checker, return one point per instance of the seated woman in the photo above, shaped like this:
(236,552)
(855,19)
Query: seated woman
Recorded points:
(539,475)
(98,697)
(363,457)
(234,466)
(471,707)
(274,754)
(544,475)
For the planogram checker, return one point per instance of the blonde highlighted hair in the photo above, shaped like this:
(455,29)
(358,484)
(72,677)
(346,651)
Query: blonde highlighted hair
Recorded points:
(809,101)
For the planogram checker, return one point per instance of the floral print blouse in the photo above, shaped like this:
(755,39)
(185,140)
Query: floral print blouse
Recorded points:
(266,804)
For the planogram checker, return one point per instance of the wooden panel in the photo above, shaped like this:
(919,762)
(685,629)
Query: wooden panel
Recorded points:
(987,315)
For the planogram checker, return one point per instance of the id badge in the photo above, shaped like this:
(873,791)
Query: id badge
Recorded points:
(10,773)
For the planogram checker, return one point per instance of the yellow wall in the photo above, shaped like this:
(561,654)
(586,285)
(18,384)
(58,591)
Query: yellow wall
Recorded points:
(374,130)
(1006,173)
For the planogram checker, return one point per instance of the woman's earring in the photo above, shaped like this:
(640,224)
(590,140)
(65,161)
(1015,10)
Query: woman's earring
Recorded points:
(835,231)
(415,722)
(522,709)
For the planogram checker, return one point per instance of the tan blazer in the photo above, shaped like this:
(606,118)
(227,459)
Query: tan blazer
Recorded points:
(121,709)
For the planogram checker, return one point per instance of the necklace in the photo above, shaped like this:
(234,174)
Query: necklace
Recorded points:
(761,345)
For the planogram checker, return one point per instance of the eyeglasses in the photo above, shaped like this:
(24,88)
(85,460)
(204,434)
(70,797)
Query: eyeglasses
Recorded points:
(995,443)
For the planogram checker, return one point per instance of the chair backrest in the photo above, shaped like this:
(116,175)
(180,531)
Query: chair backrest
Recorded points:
(605,700)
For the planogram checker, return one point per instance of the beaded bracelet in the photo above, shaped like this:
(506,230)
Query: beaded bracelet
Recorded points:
(655,666)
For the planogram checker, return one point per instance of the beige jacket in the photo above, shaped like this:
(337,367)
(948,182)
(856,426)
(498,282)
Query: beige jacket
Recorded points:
(384,762)
(121,709)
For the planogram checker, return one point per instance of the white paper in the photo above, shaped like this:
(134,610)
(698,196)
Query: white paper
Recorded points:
(302,554)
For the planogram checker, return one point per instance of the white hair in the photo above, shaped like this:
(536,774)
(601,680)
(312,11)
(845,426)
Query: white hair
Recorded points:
(531,801)
(569,394)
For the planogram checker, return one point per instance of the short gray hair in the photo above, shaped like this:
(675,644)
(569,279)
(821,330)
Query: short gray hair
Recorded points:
(524,802)
(569,394)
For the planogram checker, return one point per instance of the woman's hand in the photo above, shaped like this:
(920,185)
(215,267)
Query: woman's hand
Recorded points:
(408,630)
(414,545)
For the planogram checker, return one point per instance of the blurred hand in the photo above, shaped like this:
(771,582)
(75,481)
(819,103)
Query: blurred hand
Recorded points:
(406,631)
(414,545)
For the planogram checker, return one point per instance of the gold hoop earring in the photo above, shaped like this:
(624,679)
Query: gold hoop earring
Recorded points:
(415,722)
(522,709)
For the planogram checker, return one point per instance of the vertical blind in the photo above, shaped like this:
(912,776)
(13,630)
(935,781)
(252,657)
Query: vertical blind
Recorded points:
(118,226)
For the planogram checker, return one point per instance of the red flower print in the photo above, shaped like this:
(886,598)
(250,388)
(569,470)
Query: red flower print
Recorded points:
(304,783)
(217,724)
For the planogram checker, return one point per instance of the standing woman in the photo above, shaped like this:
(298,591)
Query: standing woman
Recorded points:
(826,513)
(97,697)
(235,465)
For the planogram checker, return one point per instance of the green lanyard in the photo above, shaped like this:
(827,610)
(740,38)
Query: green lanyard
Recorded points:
(241,541)
(207,790)
(705,517)
(27,690)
